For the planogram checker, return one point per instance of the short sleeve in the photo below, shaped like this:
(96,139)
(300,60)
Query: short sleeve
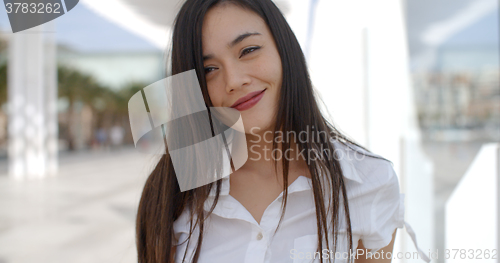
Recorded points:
(387,208)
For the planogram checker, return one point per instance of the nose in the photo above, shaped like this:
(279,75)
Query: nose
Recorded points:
(236,77)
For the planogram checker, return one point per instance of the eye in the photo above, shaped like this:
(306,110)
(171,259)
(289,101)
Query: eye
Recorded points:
(209,69)
(248,50)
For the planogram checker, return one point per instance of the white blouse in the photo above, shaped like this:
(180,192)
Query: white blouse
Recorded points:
(233,235)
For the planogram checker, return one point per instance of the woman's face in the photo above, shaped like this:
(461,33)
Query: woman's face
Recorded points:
(241,59)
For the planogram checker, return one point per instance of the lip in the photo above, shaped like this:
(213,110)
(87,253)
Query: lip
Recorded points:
(249,100)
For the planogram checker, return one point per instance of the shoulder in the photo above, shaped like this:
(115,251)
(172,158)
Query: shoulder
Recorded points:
(368,170)
(375,201)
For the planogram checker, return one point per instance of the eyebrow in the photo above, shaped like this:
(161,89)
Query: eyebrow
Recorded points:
(234,42)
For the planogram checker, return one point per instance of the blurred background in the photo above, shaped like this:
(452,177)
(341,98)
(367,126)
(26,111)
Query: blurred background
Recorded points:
(417,81)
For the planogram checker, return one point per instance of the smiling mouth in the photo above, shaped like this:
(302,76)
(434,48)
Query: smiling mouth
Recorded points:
(255,95)
(250,102)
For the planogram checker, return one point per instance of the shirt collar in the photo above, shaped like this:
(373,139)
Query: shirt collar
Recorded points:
(346,160)
(224,187)
(304,183)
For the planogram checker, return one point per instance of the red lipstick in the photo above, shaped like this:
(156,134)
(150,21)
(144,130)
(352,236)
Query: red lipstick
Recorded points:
(248,101)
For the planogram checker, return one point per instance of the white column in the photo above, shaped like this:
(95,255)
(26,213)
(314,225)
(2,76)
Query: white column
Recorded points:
(32,96)
(473,211)
(51,98)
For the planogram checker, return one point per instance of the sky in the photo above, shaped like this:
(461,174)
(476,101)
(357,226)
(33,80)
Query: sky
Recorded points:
(432,23)
(470,33)
(485,31)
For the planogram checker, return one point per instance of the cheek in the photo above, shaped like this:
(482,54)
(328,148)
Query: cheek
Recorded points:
(270,69)
(215,96)
(273,75)
(277,71)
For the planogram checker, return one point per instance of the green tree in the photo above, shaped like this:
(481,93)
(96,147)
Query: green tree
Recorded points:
(107,106)
(3,43)
(3,83)
(122,99)
(75,86)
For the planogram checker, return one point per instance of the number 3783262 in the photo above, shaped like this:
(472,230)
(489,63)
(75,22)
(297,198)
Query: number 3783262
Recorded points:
(471,254)
(33,8)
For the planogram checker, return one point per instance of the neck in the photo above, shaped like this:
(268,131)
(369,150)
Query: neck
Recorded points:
(260,154)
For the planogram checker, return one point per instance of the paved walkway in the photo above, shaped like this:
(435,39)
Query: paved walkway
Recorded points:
(86,214)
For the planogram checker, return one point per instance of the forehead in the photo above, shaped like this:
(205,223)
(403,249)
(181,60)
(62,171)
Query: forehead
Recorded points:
(223,23)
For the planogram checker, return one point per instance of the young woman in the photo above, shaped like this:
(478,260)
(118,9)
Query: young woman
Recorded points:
(315,195)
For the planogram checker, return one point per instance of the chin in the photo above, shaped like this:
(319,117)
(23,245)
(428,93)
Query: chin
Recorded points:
(256,128)
(254,120)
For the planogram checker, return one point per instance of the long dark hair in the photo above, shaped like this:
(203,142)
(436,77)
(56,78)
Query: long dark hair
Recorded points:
(162,202)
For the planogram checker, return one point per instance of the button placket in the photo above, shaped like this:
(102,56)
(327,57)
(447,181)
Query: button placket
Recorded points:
(258,246)
(271,215)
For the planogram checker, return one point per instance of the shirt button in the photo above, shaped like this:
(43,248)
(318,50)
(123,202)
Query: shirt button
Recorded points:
(259,236)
